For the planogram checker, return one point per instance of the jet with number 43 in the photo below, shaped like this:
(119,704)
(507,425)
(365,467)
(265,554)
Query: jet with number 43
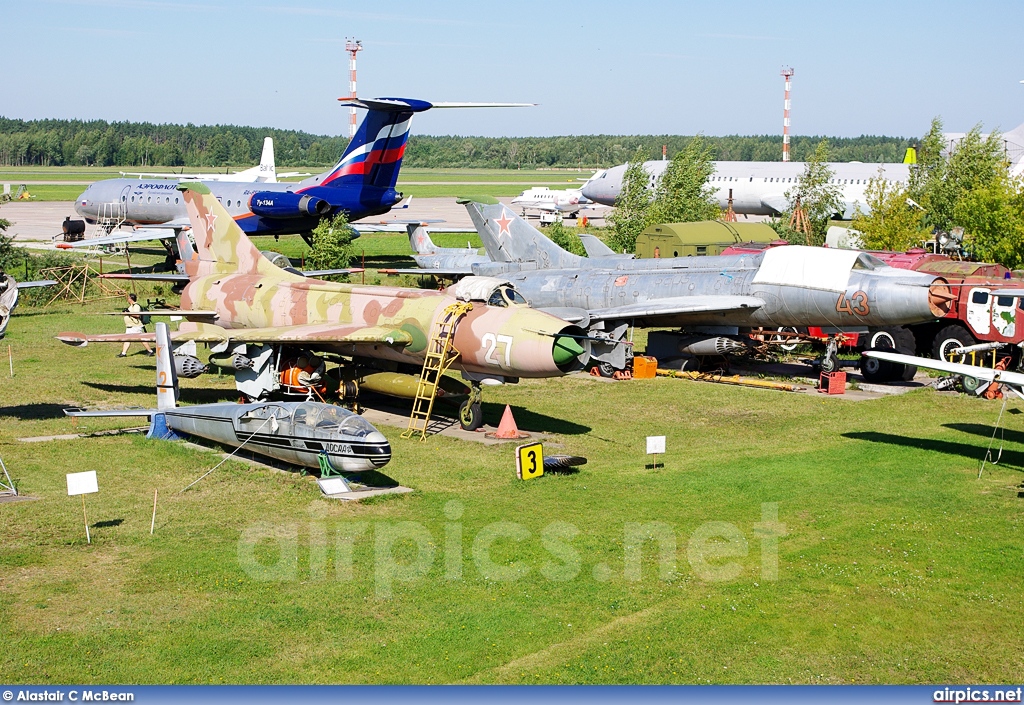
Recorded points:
(713,301)
(268,325)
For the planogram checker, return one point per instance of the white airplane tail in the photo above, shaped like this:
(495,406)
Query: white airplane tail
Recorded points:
(265,173)
(166,377)
(268,171)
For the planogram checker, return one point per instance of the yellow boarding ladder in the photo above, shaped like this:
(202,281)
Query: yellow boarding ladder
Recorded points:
(441,353)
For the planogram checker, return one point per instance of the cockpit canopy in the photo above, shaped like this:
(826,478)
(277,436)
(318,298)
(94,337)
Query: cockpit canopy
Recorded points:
(325,418)
(307,419)
(490,290)
(868,262)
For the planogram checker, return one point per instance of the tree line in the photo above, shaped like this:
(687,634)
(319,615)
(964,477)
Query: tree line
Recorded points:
(969,196)
(101,143)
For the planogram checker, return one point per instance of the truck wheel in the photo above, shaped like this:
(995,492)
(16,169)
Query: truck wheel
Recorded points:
(784,346)
(876,371)
(898,340)
(950,338)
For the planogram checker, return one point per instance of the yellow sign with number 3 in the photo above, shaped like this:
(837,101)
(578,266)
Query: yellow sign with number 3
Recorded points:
(530,461)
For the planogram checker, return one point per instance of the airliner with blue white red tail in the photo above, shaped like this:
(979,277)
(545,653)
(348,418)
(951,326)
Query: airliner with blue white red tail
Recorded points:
(361,184)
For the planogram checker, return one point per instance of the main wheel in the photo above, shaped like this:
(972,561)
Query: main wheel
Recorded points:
(471,416)
(950,338)
(606,369)
(898,340)
(970,384)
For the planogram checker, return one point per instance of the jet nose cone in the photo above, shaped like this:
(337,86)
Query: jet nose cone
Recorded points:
(381,454)
(83,202)
(595,192)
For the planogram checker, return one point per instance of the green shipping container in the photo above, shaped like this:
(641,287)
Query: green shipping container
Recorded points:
(708,237)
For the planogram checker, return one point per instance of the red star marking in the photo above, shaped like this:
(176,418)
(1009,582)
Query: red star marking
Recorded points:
(211,222)
(503,223)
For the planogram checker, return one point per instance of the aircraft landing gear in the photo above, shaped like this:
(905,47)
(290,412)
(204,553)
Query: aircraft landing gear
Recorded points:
(830,363)
(471,413)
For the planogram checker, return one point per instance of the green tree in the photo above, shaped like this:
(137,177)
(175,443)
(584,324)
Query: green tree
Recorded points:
(566,238)
(632,207)
(332,244)
(819,198)
(976,163)
(992,216)
(9,254)
(930,161)
(683,193)
(891,223)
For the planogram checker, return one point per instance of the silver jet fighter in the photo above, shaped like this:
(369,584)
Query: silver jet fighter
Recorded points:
(712,299)
(441,262)
(304,433)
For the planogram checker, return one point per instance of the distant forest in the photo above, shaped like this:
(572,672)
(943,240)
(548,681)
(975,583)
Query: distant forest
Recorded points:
(99,143)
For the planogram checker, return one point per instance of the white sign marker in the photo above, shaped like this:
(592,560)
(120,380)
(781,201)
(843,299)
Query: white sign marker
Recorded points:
(333,485)
(83,483)
(655,444)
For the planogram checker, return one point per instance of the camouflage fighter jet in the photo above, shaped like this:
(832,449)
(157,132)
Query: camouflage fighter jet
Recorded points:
(257,315)
(712,300)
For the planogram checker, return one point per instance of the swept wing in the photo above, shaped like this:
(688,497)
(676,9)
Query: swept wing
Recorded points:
(208,333)
(1011,379)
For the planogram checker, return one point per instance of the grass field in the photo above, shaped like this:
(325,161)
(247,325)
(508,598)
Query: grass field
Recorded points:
(14,174)
(424,183)
(895,564)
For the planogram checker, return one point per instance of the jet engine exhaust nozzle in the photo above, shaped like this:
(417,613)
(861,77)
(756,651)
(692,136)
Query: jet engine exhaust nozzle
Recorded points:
(940,297)
(272,204)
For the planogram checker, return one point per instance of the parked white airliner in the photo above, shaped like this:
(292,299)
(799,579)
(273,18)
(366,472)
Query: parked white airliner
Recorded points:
(758,188)
(265,172)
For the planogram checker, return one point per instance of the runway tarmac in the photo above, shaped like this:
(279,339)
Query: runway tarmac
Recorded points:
(40,222)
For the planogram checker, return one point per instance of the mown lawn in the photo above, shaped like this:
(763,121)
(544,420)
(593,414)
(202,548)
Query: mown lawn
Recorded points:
(894,562)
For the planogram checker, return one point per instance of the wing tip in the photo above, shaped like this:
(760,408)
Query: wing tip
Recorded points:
(74,339)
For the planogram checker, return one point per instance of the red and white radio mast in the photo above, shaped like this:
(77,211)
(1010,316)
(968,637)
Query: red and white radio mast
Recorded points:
(787,73)
(353,46)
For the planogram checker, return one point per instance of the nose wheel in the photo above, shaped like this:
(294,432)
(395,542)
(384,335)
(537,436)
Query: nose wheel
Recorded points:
(471,412)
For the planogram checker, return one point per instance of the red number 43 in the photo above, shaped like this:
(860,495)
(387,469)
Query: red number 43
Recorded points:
(856,305)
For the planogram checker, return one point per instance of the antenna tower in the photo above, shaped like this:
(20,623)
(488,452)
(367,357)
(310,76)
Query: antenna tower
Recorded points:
(787,73)
(353,47)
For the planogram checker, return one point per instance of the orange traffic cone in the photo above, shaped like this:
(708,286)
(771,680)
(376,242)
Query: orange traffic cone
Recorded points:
(507,429)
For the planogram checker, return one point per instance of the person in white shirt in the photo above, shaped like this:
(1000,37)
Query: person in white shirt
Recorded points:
(133,324)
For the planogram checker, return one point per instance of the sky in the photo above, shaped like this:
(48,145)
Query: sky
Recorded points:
(596,67)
